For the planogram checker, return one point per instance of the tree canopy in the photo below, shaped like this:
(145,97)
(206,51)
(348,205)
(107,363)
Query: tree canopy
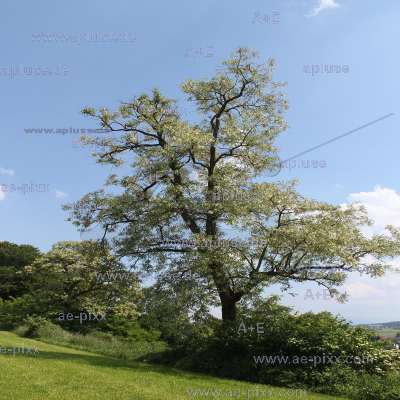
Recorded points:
(13,259)
(191,199)
(81,276)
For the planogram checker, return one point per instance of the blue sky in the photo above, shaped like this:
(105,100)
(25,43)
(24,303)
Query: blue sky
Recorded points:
(46,82)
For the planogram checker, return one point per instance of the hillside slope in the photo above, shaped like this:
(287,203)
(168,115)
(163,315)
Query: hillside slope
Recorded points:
(59,373)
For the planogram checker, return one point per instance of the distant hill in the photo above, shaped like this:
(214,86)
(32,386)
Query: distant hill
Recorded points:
(383,325)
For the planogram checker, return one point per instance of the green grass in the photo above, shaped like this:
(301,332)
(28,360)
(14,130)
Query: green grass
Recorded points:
(60,373)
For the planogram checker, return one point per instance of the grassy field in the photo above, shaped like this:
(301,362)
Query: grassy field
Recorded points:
(60,373)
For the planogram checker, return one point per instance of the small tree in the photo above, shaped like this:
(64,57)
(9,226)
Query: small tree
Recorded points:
(191,201)
(81,276)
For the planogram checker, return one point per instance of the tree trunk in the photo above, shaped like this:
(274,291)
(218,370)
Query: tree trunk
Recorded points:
(227,296)
(228,304)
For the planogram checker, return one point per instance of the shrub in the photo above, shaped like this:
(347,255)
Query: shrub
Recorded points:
(363,386)
(33,325)
(13,311)
(231,351)
(97,342)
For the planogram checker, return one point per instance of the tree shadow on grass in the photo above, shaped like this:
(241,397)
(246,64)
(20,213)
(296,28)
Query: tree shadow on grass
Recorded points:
(108,362)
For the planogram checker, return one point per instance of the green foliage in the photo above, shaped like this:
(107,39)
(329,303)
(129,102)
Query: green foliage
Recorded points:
(13,311)
(190,209)
(13,259)
(231,351)
(120,326)
(358,385)
(68,279)
(140,346)
(75,277)
(33,325)
(198,185)
(171,309)
(372,387)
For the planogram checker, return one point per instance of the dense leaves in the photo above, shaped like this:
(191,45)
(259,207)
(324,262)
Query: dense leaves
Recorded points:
(74,278)
(13,259)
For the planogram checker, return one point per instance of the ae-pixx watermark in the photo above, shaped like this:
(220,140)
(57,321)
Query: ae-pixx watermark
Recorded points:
(19,350)
(82,316)
(24,188)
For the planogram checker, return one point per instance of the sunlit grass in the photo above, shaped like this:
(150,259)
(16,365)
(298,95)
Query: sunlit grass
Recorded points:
(60,373)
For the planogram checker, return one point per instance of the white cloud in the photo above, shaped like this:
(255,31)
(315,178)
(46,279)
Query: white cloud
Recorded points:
(2,194)
(322,6)
(60,194)
(370,299)
(364,291)
(382,205)
(9,172)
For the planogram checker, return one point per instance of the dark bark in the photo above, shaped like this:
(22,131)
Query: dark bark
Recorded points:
(228,308)
(228,297)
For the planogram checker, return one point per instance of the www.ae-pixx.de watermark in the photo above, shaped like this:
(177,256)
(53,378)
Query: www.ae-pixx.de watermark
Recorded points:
(254,393)
(83,37)
(314,360)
